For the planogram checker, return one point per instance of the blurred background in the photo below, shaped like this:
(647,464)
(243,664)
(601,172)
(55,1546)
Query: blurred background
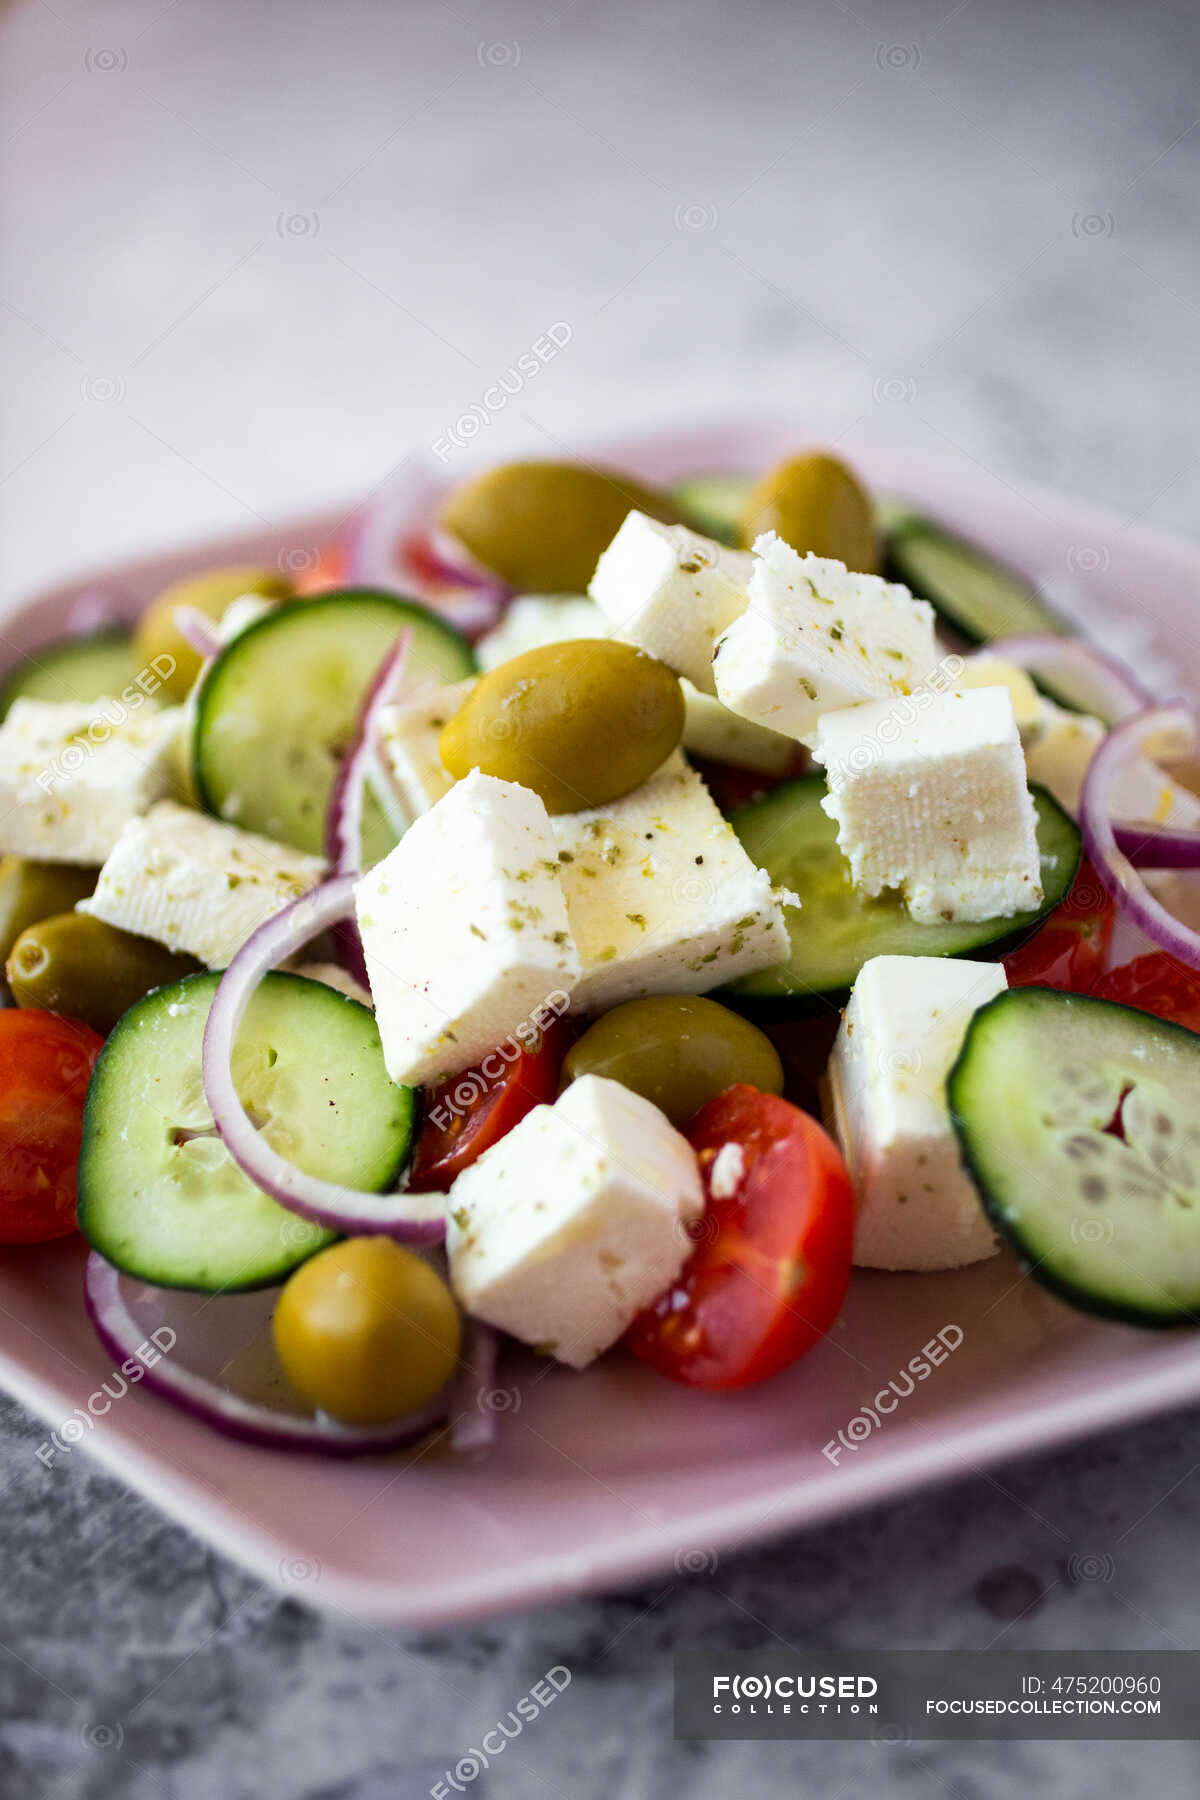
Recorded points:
(250,257)
(253,255)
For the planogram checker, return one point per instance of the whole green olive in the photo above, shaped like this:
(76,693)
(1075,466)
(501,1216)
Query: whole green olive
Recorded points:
(542,525)
(33,891)
(366,1331)
(86,969)
(817,505)
(209,593)
(678,1050)
(581,723)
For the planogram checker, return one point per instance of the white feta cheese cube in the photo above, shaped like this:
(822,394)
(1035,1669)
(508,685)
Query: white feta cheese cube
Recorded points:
(815,637)
(195,884)
(899,1037)
(671,592)
(72,774)
(1058,758)
(564,1230)
(929,796)
(464,928)
(408,745)
(661,896)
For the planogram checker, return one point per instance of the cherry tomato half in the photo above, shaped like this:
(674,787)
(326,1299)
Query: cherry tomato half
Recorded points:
(1068,951)
(772,1259)
(1156,983)
(325,574)
(467,1115)
(45,1065)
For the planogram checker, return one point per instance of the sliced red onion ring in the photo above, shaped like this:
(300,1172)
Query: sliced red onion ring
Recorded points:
(1111,864)
(124,1335)
(392,542)
(197,632)
(1152,847)
(343,831)
(473,1394)
(412,1218)
(98,609)
(1085,677)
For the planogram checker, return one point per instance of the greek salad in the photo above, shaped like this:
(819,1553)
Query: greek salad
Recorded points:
(596,917)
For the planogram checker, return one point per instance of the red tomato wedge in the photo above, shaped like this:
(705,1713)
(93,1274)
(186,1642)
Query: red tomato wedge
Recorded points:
(1068,951)
(325,573)
(772,1260)
(1156,983)
(466,1116)
(45,1065)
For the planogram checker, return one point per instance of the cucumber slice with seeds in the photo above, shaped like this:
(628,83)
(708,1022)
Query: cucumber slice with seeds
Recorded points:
(837,929)
(980,597)
(713,504)
(1078,1120)
(279,706)
(81,668)
(161,1197)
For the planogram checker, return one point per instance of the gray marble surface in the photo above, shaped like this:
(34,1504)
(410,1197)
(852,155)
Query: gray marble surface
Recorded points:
(250,255)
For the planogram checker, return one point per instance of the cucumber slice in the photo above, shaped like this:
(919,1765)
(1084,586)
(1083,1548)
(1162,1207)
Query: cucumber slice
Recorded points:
(713,504)
(891,513)
(837,929)
(81,668)
(1077,1118)
(278,708)
(978,596)
(173,1208)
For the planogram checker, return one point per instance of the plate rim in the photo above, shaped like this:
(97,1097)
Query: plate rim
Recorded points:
(927,1457)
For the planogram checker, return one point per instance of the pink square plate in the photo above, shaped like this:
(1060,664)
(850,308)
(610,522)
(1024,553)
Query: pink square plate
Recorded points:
(616,1475)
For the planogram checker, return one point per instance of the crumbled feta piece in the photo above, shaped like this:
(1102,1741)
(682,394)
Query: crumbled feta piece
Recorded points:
(567,1227)
(408,742)
(929,796)
(661,896)
(671,592)
(532,621)
(983,669)
(728,1168)
(241,613)
(195,884)
(815,638)
(1058,758)
(72,774)
(334,976)
(899,1037)
(464,928)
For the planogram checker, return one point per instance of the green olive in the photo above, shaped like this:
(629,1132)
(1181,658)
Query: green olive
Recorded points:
(86,969)
(816,504)
(366,1331)
(542,525)
(580,723)
(678,1050)
(210,594)
(33,891)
